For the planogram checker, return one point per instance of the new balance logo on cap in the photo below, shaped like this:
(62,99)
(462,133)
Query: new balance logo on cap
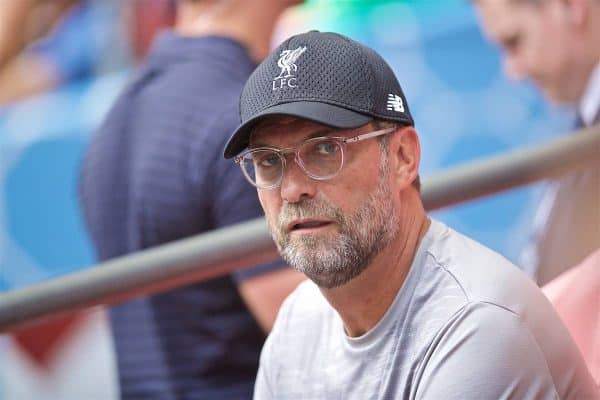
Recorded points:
(287,63)
(395,103)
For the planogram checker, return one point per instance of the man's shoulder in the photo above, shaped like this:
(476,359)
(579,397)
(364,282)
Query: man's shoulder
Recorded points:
(489,340)
(480,273)
(472,279)
(192,93)
(492,340)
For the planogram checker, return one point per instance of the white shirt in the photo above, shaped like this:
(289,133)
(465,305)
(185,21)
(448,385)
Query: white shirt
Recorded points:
(590,102)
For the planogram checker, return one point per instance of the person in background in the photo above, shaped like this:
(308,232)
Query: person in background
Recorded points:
(142,20)
(46,44)
(398,306)
(556,44)
(153,174)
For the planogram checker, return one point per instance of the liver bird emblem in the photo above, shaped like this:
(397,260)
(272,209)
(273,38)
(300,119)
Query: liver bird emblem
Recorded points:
(287,61)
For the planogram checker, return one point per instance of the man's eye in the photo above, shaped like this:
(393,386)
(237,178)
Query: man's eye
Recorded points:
(325,148)
(268,161)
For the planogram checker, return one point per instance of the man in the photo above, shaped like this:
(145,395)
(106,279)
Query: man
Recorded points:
(153,174)
(400,306)
(555,43)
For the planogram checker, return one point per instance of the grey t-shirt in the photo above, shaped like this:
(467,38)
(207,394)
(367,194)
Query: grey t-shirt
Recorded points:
(466,324)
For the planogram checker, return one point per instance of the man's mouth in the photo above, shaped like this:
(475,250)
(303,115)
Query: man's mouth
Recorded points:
(295,226)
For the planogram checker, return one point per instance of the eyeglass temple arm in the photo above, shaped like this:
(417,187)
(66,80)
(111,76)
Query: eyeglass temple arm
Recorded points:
(369,135)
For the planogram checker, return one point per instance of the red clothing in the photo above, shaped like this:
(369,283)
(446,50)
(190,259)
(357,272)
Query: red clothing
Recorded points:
(576,297)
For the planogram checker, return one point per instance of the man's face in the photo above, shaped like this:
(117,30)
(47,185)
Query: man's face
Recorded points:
(329,230)
(536,39)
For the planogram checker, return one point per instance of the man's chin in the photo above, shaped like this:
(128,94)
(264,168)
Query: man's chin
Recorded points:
(304,254)
(557,96)
(307,245)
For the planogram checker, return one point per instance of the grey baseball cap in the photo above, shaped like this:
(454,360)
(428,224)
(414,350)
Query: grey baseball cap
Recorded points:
(322,77)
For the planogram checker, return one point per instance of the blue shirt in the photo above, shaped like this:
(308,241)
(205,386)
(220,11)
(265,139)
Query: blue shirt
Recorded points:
(153,174)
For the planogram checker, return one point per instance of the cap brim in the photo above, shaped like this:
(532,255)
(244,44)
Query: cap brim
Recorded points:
(323,113)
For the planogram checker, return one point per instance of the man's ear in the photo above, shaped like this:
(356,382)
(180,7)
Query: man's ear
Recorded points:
(405,156)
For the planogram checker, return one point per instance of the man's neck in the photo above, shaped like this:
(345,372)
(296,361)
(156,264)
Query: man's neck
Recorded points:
(362,302)
(236,20)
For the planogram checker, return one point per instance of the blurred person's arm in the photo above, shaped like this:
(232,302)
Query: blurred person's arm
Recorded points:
(21,22)
(264,294)
(13,21)
(25,76)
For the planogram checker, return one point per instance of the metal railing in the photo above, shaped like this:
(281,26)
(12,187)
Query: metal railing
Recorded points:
(219,252)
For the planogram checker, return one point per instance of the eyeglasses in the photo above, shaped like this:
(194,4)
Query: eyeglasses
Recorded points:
(320,158)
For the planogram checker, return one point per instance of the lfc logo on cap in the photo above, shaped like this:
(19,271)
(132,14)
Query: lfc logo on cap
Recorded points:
(286,62)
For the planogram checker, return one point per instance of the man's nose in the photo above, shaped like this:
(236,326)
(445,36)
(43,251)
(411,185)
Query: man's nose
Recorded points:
(295,184)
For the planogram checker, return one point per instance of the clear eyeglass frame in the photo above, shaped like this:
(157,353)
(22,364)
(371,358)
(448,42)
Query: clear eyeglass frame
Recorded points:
(249,157)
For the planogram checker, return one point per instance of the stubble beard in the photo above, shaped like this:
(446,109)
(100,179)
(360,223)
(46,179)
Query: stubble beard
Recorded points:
(334,259)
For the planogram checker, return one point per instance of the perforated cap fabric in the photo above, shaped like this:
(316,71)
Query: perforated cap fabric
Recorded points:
(323,77)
